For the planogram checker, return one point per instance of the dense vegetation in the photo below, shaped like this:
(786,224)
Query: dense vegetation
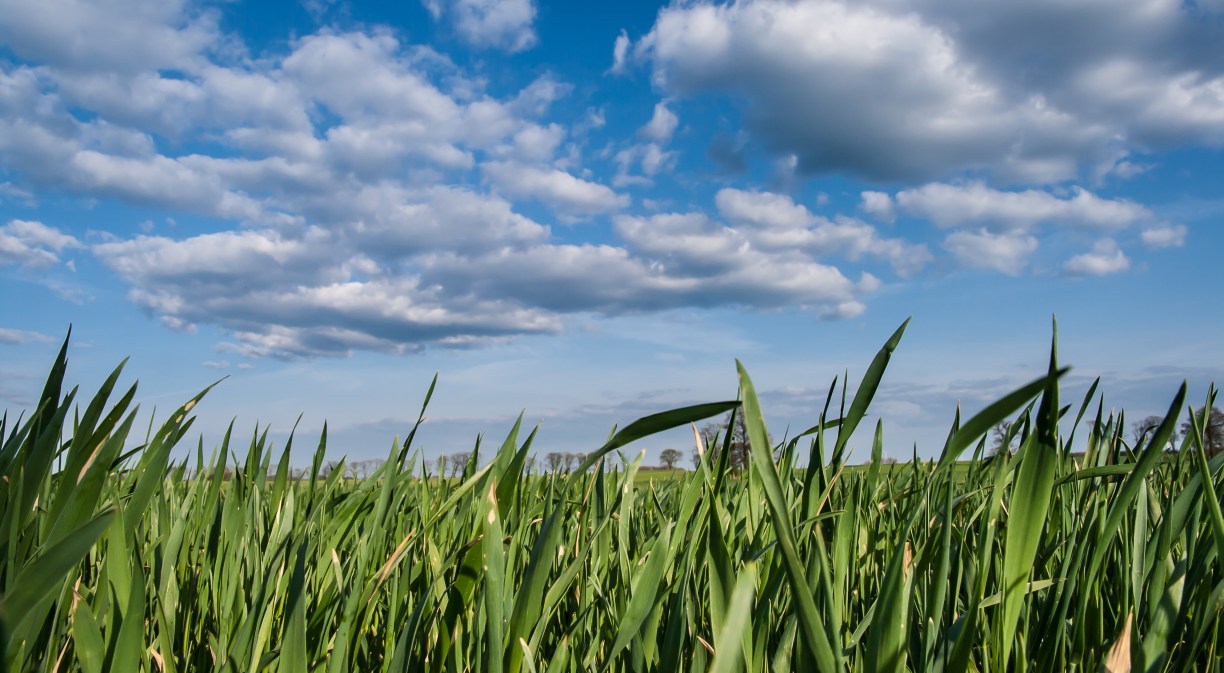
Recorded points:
(114,559)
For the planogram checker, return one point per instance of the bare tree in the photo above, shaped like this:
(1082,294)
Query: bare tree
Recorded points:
(1213,429)
(999,434)
(458,463)
(554,461)
(670,457)
(329,467)
(1145,427)
(362,469)
(714,436)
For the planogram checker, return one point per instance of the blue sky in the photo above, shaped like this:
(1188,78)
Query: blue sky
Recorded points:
(587,211)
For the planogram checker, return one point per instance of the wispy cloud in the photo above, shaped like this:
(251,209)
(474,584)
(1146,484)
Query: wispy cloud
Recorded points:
(492,24)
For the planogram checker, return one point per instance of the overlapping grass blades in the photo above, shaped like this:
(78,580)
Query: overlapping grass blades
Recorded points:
(114,559)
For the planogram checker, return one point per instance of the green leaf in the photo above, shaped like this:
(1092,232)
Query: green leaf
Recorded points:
(645,589)
(294,656)
(652,424)
(729,640)
(46,573)
(815,636)
(866,391)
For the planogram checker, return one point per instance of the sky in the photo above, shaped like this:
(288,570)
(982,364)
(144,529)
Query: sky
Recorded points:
(585,212)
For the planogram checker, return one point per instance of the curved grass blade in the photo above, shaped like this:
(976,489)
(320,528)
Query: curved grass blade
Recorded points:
(866,391)
(815,636)
(649,425)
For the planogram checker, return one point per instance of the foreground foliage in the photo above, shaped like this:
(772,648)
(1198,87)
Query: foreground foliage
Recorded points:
(113,559)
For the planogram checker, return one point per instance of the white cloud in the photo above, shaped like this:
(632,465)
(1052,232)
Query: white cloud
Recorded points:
(1129,169)
(844,311)
(928,90)
(14,193)
(303,297)
(111,35)
(661,126)
(215,364)
(1006,252)
(189,183)
(345,166)
(977,205)
(620,53)
(672,261)
(879,205)
(534,143)
(491,24)
(852,87)
(1104,259)
(775,221)
(650,158)
(391,116)
(561,191)
(12,336)
(1166,236)
(33,244)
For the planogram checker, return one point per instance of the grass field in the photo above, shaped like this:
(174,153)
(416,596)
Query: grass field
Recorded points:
(115,559)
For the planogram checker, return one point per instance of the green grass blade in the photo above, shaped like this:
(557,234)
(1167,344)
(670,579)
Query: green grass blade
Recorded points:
(729,640)
(815,636)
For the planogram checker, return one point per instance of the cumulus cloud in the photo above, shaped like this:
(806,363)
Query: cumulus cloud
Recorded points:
(362,192)
(388,115)
(494,24)
(139,35)
(976,204)
(927,90)
(1104,259)
(998,229)
(301,297)
(649,158)
(33,244)
(775,221)
(568,195)
(1004,252)
(665,266)
(878,204)
(1169,236)
(662,124)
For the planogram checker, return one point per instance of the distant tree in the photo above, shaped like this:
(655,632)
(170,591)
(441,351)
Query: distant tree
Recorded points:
(458,462)
(362,469)
(329,467)
(579,457)
(1145,427)
(555,459)
(1213,429)
(714,436)
(999,437)
(670,457)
